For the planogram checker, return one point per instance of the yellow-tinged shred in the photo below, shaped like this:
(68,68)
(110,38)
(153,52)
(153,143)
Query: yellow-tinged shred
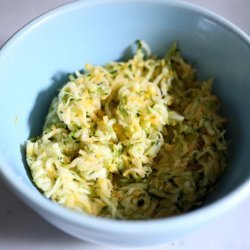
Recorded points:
(131,140)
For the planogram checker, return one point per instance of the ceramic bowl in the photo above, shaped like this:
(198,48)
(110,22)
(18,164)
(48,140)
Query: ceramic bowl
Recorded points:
(34,63)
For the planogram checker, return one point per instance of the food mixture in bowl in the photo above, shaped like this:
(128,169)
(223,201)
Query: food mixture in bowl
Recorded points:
(131,140)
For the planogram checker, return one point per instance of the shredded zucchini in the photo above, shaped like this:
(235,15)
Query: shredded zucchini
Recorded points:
(131,140)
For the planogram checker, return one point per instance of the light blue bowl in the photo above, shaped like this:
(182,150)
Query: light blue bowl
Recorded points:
(36,60)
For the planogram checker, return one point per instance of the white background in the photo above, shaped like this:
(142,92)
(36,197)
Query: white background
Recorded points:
(22,229)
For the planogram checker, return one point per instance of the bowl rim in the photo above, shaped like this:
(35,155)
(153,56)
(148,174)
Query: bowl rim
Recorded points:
(39,202)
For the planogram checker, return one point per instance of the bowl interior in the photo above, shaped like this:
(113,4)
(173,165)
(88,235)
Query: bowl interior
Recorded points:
(35,63)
